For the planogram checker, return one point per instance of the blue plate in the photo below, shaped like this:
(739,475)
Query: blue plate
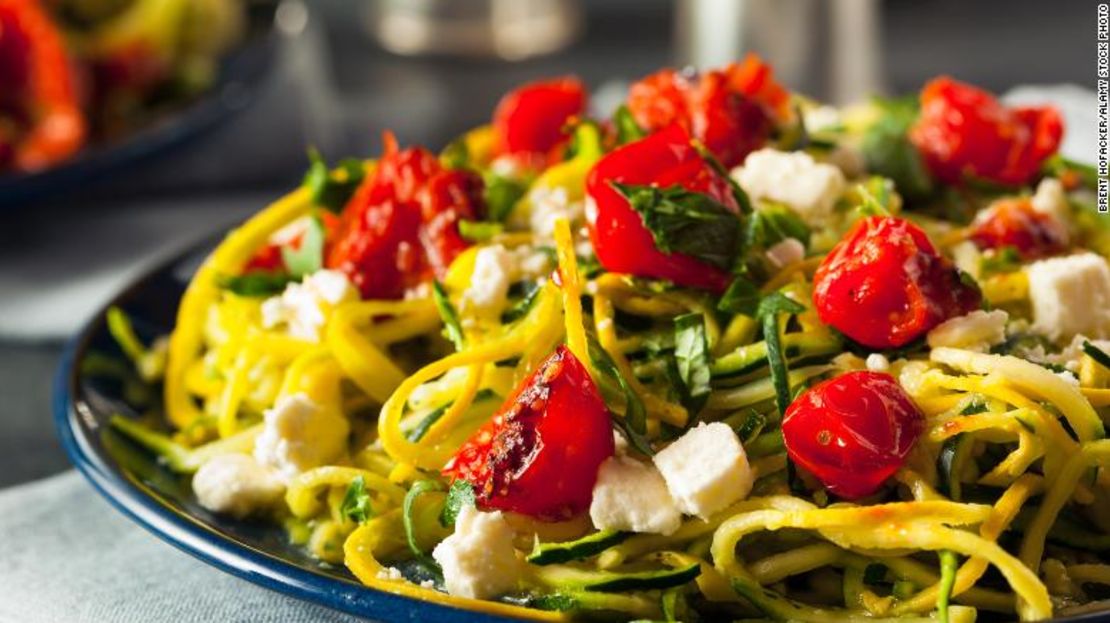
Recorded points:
(93,383)
(241,75)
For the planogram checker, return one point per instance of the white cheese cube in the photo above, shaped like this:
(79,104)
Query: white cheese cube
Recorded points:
(1070,295)
(786,252)
(706,469)
(547,204)
(494,268)
(811,188)
(1052,199)
(877,362)
(298,435)
(632,496)
(479,560)
(236,484)
(976,331)
(304,307)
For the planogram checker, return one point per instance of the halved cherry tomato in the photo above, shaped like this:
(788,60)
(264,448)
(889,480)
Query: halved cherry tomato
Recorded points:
(884,284)
(1015,223)
(622,242)
(531,119)
(37,88)
(540,453)
(964,132)
(852,432)
(732,110)
(401,226)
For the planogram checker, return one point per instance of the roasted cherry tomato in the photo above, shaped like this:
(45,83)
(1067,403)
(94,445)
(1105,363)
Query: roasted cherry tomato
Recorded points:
(37,89)
(964,132)
(732,111)
(622,242)
(852,432)
(884,284)
(401,226)
(532,118)
(540,453)
(1015,223)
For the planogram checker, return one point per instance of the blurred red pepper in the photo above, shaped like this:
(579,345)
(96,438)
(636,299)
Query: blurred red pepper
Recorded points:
(964,132)
(1015,223)
(530,122)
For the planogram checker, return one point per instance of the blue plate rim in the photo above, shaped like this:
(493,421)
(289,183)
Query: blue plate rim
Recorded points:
(190,534)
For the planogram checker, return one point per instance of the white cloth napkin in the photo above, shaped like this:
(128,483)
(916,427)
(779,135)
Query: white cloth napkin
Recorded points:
(67,556)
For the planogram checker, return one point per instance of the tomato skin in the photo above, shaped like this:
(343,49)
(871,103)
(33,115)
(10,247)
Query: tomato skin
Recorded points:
(1015,223)
(731,110)
(964,131)
(401,226)
(852,432)
(540,453)
(622,242)
(531,118)
(884,284)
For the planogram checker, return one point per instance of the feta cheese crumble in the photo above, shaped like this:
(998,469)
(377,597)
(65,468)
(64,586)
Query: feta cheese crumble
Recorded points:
(488,292)
(706,469)
(786,252)
(1070,295)
(298,434)
(877,362)
(1051,198)
(236,484)
(478,559)
(303,307)
(809,187)
(548,204)
(976,331)
(632,496)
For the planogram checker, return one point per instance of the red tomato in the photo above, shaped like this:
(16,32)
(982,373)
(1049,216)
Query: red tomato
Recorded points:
(964,131)
(401,225)
(731,110)
(884,284)
(540,453)
(1015,223)
(622,242)
(269,258)
(37,86)
(852,432)
(531,118)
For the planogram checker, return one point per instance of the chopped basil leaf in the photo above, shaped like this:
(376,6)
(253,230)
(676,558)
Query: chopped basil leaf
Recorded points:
(778,303)
(501,194)
(878,195)
(356,502)
(741,297)
(459,495)
(627,128)
(1096,353)
(888,151)
(690,223)
(308,257)
(634,423)
(332,189)
(456,155)
(255,283)
(1006,259)
(479,231)
(452,328)
(772,223)
(521,308)
(418,489)
(691,352)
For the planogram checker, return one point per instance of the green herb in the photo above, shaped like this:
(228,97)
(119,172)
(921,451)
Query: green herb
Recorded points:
(888,151)
(332,189)
(308,257)
(691,353)
(1096,353)
(416,433)
(456,155)
(627,128)
(1058,166)
(451,325)
(772,223)
(1006,259)
(769,308)
(634,423)
(949,564)
(878,198)
(419,488)
(356,502)
(741,297)
(690,223)
(521,308)
(738,193)
(459,495)
(479,231)
(255,284)
(501,195)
